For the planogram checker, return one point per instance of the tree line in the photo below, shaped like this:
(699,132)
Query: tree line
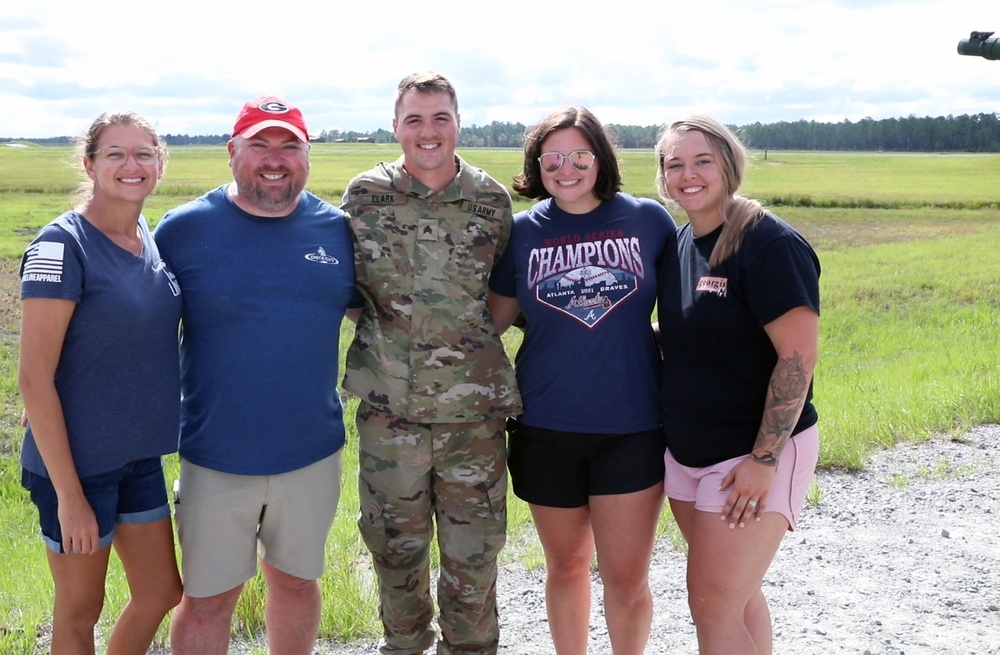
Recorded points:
(966,133)
(975,133)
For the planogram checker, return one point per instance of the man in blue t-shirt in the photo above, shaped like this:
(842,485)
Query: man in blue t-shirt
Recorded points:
(267,274)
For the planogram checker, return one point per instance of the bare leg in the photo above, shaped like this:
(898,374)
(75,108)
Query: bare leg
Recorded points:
(568,542)
(147,554)
(757,618)
(624,529)
(79,597)
(201,626)
(292,613)
(725,571)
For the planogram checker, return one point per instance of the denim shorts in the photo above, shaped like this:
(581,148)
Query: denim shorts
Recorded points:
(135,493)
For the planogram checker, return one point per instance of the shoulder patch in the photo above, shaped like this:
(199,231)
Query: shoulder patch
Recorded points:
(43,262)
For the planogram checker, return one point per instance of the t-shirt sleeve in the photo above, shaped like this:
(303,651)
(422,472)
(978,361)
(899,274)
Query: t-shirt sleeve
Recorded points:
(163,235)
(667,231)
(783,276)
(357,299)
(52,266)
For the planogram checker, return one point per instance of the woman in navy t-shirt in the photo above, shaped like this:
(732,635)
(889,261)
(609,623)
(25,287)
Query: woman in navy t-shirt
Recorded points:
(586,454)
(100,379)
(739,320)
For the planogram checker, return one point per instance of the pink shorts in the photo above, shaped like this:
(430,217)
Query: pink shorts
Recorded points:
(796,467)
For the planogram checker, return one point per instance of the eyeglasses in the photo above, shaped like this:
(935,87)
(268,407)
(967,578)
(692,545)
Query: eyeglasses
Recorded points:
(118,156)
(581,160)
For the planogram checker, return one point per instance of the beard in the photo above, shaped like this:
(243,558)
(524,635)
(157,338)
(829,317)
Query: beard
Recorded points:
(270,198)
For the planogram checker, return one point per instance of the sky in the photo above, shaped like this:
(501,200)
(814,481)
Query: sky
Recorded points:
(188,65)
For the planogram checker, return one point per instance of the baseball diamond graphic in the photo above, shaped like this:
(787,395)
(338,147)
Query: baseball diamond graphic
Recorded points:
(588,293)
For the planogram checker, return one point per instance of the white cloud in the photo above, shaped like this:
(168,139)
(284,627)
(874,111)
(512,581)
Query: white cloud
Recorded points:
(191,65)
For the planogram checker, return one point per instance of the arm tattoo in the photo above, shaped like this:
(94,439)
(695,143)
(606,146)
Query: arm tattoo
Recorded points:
(786,395)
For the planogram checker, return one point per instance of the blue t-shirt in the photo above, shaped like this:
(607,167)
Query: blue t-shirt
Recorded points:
(260,338)
(586,284)
(117,376)
(717,358)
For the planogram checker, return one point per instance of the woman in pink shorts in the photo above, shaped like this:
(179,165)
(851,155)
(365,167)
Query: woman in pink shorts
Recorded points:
(739,322)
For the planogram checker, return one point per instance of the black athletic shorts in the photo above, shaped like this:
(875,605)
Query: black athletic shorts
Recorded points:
(563,469)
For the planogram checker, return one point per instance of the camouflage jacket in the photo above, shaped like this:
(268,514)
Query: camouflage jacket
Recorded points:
(425,348)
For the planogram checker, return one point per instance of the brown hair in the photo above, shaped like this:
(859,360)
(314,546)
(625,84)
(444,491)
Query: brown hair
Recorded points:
(528,182)
(424,82)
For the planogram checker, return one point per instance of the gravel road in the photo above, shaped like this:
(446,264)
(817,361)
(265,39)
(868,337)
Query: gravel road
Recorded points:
(903,557)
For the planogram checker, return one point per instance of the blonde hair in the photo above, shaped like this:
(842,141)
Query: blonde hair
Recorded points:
(743,213)
(85,146)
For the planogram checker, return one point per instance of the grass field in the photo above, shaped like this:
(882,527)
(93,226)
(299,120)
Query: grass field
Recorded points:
(911,318)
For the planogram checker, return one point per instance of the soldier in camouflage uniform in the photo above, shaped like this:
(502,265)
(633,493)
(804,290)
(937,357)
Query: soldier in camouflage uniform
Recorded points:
(434,382)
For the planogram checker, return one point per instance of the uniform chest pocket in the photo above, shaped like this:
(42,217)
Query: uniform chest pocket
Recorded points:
(471,251)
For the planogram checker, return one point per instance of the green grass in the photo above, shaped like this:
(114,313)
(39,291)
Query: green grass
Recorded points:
(815,494)
(910,318)
(891,180)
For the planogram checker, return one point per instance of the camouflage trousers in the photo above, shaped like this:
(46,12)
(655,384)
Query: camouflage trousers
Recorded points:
(413,475)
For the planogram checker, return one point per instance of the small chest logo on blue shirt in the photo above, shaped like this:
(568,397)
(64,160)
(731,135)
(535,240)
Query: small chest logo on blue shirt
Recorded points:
(321,257)
(587,294)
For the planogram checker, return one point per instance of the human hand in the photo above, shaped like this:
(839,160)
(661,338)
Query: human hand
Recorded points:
(80,534)
(749,483)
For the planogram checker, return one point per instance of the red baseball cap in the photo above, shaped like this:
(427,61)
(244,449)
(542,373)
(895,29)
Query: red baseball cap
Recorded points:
(270,111)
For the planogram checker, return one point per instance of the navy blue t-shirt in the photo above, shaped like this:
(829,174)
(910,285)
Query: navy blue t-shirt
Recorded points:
(586,285)
(263,303)
(717,358)
(118,377)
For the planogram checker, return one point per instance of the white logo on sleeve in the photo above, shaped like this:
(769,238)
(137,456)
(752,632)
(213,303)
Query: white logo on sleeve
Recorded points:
(44,262)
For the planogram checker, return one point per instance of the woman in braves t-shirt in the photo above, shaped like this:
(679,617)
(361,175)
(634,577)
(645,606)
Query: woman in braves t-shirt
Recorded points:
(587,452)
(739,321)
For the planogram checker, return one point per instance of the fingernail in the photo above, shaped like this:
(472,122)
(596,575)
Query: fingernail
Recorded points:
(743,525)
(723,517)
(731,526)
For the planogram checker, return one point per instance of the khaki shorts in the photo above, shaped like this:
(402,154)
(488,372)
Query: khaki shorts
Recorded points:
(226,521)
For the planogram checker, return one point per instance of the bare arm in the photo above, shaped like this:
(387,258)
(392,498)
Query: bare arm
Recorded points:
(795,336)
(504,309)
(44,322)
